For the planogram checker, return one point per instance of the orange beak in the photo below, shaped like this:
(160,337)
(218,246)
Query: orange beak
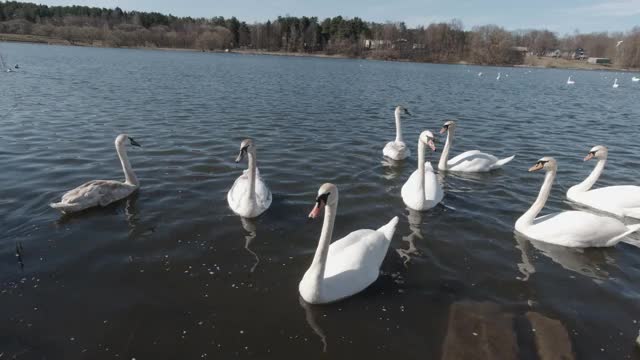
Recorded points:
(443,130)
(536,167)
(315,212)
(588,157)
(431,145)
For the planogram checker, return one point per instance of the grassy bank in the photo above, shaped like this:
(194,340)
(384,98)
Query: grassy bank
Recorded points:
(530,61)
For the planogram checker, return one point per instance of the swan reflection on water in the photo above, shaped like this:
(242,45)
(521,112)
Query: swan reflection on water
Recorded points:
(590,262)
(249,226)
(415,223)
(392,168)
(310,316)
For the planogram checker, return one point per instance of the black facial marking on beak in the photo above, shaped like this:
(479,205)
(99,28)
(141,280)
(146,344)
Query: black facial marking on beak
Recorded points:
(133,142)
(242,153)
(322,199)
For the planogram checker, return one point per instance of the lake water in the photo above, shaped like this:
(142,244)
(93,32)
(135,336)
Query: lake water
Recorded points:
(172,273)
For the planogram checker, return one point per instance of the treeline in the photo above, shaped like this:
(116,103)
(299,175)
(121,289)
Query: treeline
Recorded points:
(441,42)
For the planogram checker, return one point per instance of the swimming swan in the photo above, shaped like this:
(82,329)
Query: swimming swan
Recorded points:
(249,196)
(397,150)
(570,82)
(615,84)
(568,228)
(102,192)
(348,265)
(468,161)
(422,191)
(620,200)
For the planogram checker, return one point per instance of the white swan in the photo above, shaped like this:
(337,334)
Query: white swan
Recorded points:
(570,82)
(568,228)
(422,191)
(480,73)
(498,77)
(249,196)
(621,200)
(350,264)
(397,150)
(635,79)
(468,161)
(615,83)
(102,192)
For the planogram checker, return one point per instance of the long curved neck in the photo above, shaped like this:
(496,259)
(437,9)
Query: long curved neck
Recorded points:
(320,258)
(422,149)
(592,178)
(252,174)
(398,128)
(442,165)
(129,175)
(528,217)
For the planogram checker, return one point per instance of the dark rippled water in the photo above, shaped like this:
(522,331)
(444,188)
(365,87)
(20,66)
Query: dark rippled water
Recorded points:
(171,273)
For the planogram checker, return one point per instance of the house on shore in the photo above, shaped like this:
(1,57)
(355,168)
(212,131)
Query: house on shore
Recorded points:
(601,61)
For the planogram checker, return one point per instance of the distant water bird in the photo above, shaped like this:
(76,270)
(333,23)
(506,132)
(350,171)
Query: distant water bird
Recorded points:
(9,70)
(347,266)
(249,196)
(480,73)
(635,79)
(568,228)
(17,66)
(102,192)
(570,82)
(468,161)
(619,43)
(422,191)
(498,77)
(397,150)
(615,83)
(619,200)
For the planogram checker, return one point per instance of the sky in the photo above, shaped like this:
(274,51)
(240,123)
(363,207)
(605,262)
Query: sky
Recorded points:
(561,16)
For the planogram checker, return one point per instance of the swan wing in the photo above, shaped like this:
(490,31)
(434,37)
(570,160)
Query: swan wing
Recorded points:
(620,200)
(94,193)
(239,200)
(396,150)
(263,194)
(576,229)
(472,161)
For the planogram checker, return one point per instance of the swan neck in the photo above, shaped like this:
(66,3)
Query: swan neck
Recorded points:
(252,174)
(422,148)
(398,128)
(528,217)
(129,175)
(592,178)
(320,258)
(444,158)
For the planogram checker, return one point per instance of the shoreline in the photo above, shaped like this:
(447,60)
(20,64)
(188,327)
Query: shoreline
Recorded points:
(530,61)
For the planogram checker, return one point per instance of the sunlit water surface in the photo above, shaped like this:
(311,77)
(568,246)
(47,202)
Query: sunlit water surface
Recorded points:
(172,273)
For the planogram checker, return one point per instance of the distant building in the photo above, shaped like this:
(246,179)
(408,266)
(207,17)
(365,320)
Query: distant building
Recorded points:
(554,53)
(579,54)
(376,44)
(595,60)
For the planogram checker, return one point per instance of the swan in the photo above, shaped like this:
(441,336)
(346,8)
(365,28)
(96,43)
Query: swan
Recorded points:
(397,150)
(468,161)
(480,73)
(350,264)
(498,77)
(615,83)
(422,190)
(102,192)
(568,228)
(635,79)
(621,200)
(249,196)
(570,82)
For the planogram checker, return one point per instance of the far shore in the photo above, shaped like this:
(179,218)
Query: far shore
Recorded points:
(530,61)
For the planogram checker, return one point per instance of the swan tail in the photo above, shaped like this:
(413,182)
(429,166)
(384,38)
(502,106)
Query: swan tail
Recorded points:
(630,230)
(633,212)
(500,163)
(389,229)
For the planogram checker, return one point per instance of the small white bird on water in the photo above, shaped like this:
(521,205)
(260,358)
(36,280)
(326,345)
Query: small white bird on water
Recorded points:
(570,82)
(635,79)
(498,78)
(615,83)
(102,192)
(480,73)
(397,150)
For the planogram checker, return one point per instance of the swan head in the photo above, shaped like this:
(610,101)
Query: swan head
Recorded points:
(122,138)
(402,110)
(599,152)
(428,139)
(448,125)
(547,163)
(327,196)
(245,146)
